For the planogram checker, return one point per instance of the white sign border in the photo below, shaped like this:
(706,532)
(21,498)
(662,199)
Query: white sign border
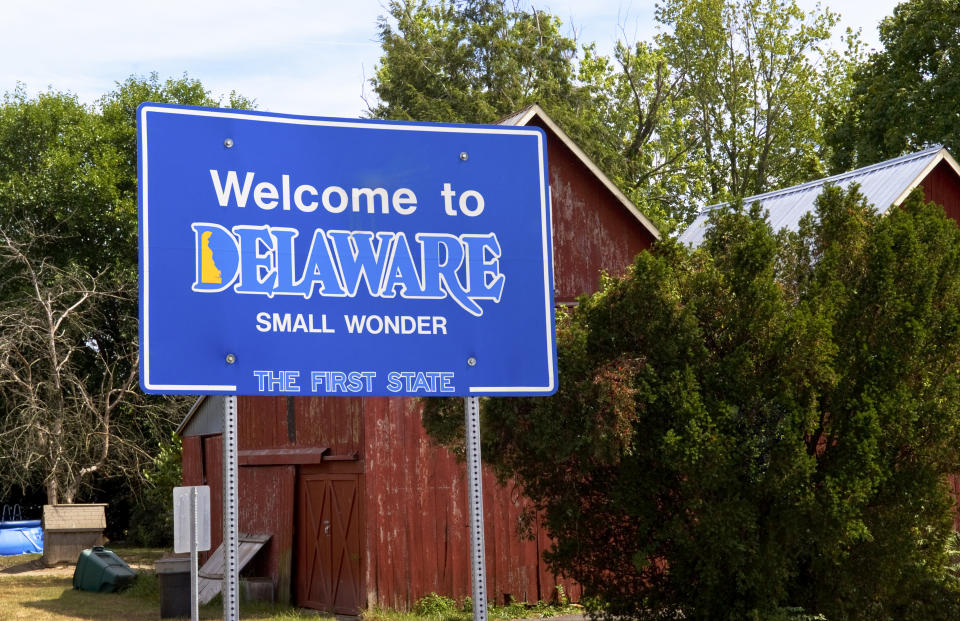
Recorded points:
(545,227)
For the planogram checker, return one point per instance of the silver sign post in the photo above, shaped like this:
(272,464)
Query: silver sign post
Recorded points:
(475,495)
(231,537)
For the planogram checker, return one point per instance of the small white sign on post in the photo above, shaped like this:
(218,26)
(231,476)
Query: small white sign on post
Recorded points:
(183,518)
(191,532)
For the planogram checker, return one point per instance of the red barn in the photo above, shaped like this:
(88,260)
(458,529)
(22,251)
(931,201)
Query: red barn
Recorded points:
(361,507)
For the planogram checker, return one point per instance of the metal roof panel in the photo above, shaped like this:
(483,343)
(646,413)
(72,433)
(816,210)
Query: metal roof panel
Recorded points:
(884,184)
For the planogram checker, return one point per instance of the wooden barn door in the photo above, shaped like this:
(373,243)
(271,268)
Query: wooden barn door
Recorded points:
(328,541)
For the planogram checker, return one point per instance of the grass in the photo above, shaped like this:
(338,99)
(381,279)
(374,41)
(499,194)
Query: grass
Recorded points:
(51,597)
(439,608)
(138,556)
(11,561)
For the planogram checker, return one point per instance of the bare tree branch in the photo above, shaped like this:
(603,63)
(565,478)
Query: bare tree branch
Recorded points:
(71,404)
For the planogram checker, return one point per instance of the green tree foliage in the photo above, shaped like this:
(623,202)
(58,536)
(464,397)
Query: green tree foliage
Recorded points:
(636,126)
(906,96)
(70,170)
(760,81)
(58,175)
(68,282)
(760,426)
(732,99)
(481,60)
(152,520)
(469,62)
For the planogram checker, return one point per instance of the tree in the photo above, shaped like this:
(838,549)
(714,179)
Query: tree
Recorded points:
(634,123)
(469,62)
(70,170)
(481,60)
(73,410)
(905,96)
(58,176)
(151,524)
(761,87)
(732,99)
(68,215)
(757,428)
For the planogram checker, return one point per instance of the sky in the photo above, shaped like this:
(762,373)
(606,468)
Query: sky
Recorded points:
(310,57)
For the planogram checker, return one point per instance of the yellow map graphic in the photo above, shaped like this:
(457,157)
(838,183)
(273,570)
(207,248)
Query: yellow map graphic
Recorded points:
(208,269)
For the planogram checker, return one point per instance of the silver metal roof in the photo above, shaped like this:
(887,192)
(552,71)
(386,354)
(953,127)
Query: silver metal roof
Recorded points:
(884,184)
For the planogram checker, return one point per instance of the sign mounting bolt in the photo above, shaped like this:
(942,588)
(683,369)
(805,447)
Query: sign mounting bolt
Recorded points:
(471,361)
(228,143)
(463,156)
(231,358)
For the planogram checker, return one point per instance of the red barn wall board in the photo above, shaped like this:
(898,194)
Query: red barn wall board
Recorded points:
(401,500)
(270,514)
(418,524)
(413,508)
(954,482)
(942,186)
(192,460)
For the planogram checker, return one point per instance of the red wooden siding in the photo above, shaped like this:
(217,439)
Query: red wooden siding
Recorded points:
(418,524)
(413,520)
(266,506)
(191,461)
(413,509)
(954,481)
(212,475)
(592,230)
(942,186)
(330,422)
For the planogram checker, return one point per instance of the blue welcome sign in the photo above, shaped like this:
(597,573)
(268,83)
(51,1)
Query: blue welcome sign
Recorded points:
(297,255)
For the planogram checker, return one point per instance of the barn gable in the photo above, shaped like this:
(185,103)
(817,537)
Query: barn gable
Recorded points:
(884,184)
(595,226)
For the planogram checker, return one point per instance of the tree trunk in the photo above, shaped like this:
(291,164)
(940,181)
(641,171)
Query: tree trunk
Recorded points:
(52,490)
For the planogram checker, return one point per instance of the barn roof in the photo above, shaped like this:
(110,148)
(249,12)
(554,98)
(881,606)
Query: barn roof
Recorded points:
(884,184)
(204,418)
(527,115)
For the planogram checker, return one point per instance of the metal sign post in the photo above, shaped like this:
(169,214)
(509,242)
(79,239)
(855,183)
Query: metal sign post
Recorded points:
(231,537)
(194,578)
(475,495)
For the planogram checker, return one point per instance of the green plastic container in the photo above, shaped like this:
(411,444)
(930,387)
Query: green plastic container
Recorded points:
(102,571)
